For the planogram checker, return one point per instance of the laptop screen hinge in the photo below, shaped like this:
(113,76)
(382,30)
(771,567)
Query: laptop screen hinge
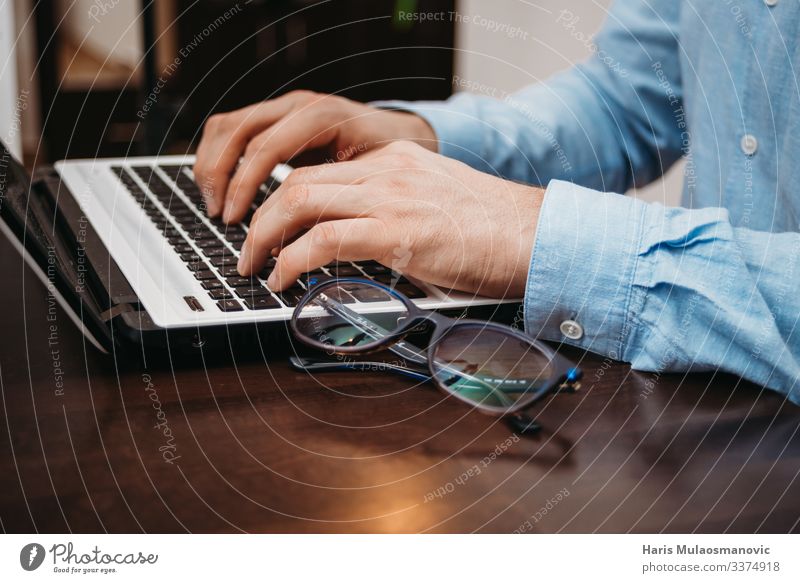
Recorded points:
(115,311)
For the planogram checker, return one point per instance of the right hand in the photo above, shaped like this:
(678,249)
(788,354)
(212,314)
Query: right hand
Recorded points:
(268,133)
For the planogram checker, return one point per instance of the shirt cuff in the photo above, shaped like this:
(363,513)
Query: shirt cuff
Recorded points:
(580,285)
(456,123)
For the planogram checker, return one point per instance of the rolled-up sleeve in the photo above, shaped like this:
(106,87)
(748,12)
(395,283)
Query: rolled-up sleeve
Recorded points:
(666,289)
(584,266)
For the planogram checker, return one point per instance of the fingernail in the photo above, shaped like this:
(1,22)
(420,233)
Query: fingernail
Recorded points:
(226,213)
(211,207)
(244,259)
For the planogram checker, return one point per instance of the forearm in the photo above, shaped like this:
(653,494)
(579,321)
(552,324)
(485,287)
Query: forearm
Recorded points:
(607,123)
(533,136)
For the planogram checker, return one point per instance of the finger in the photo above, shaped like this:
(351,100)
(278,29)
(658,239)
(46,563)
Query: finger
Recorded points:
(347,172)
(215,159)
(346,240)
(341,173)
(298,208)
(303,129)
(378,150)
(224,139)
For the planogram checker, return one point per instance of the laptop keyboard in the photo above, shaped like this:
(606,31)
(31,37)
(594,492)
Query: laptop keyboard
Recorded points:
(210,249)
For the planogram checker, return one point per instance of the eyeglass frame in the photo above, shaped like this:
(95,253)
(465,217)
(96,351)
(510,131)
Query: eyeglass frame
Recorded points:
(565,374)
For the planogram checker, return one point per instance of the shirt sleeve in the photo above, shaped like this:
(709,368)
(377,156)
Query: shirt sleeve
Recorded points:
(609,123)
(666,289)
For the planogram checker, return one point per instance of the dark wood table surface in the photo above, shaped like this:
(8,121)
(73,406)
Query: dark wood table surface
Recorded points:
(93,443)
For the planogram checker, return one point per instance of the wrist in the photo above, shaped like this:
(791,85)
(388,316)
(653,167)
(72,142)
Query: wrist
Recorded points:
(418,130)
(521,240)
(427,137)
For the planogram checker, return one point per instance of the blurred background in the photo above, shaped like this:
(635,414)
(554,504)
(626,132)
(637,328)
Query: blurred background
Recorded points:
(87,78)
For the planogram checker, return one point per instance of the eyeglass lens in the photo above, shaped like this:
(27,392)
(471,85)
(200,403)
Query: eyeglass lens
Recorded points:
(490,368)
(350,315)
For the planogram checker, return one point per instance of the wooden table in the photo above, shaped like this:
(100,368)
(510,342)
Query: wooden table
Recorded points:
(91,443)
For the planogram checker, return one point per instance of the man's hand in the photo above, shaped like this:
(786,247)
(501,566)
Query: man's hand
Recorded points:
(275,131)
(428,216)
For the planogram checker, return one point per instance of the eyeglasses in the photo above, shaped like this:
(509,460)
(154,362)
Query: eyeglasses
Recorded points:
(492,367)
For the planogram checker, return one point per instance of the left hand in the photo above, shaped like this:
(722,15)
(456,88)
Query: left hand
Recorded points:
(430,217)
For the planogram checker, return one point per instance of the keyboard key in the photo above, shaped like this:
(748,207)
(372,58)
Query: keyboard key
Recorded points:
(220,294)
(229,306)
(252,291)
(200,231)
(205,274)
(375,268)
(291,297)
(239,281)
(262,303)
(212,284)
(236,236)
(173,171)
(341,296)
(224,261)
(166,199)
(312,279)
(217,252)
(189,221)
(411,291)
(230,271)
(210,244)
(153,180)
(390,278)
(197,266)
(345,271)
(183,213)
(365,293)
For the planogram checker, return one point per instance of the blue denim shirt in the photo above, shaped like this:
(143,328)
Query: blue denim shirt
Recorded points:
(714,285)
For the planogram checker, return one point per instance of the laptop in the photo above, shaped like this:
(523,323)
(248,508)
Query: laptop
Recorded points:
(126,248)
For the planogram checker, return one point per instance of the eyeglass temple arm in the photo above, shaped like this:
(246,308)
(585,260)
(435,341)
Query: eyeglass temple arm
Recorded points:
(322,365)
(417,355)
(519,422)
(311,364)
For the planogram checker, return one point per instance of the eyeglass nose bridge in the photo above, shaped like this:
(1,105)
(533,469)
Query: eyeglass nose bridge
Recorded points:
(420,321)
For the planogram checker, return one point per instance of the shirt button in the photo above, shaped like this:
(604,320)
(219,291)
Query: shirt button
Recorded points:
(749,144)
(571,329)
(770,3)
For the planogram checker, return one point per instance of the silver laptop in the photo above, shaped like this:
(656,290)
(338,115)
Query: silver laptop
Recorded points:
(180,265)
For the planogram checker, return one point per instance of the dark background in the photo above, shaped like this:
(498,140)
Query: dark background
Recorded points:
(358,49)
